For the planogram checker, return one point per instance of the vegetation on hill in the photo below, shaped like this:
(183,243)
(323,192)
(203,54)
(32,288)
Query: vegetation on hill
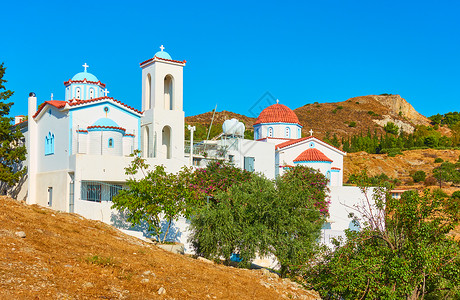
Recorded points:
(402,251)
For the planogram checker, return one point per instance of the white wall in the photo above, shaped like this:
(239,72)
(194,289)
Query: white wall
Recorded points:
(58,124)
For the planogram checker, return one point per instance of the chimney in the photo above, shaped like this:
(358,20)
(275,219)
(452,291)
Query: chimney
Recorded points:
(32,104)
(18,119)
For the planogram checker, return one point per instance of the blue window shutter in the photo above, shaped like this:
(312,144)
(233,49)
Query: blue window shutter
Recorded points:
(249,164)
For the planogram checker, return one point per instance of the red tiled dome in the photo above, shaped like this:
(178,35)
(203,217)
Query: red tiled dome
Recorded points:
(312,154)
(277,113)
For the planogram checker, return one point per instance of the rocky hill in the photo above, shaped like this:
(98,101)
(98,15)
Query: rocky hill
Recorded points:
(46,254)
(344,118)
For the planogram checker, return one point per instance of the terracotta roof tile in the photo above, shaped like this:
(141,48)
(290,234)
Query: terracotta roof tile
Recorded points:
(277,113)
(165,59)
(292,142)
(55,103)
(66,83)
(312,154)
(108,127)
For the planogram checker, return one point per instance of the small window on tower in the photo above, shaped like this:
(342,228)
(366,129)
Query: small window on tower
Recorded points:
(77,93)
(110,143)
(270,132)
(91,93)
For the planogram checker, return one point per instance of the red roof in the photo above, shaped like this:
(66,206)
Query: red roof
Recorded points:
(292,142)
(74,102)
(335,168)
(109,127)
(165,59)
(66,83)
(55,103)
(277,113)
(312,154)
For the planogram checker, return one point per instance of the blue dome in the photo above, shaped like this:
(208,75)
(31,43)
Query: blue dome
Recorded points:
(106,122)
(83,75)
(163,54)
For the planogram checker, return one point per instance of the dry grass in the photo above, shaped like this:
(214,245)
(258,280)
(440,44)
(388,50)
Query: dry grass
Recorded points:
(65,256)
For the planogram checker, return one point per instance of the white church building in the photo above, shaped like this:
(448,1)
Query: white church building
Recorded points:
(78,147)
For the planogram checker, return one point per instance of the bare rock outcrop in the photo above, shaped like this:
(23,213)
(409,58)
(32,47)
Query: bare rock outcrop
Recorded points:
(399,106)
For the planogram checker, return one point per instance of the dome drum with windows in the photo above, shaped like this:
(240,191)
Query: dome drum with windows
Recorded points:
(278,122)
(84,86)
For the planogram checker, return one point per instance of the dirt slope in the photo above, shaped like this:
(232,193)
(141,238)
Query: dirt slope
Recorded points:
(53,261)
(219,118)
(400,166)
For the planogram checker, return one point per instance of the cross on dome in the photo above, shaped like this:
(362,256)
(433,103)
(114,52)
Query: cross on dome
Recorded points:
(311,132)
(51,96)
(162,47)
(277,101)
(85,66)
(106,92)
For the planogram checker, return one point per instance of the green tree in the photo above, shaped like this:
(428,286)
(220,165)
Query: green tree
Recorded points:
(392,128)
(155,196)
(403,251)
(446,172)
(259,216)
(12,151)
(419,176)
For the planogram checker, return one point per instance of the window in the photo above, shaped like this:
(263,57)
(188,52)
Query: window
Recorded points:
(230,158)
(110,143)
(354,225)
(114,190)
(270,131)
(249,164)
(93,192)
(256,134)
(91,93)
(49,144)
(77,93)
(299,133)
(287,132)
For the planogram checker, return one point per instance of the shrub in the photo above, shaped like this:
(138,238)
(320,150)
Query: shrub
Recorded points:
(419,176)
(357,102)
(438,160)
(334,111)
(339,107)
(392,128)
(430,181)
(352,124)
(456,195)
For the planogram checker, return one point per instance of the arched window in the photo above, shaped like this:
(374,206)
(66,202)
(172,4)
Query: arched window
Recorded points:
(168,93)
(148,92)
(299,133)
(270,131)
(287,132)
(166,142)
(328,177)
(110,143)
(91,93)
(77,93)
(49,144)
(146,143)
(256,134)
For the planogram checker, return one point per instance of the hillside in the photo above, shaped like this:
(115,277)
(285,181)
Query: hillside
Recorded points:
(372,112)
(400,166)
(368,112)
(64,256)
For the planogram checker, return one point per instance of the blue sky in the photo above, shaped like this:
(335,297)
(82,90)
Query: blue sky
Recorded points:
(300,52)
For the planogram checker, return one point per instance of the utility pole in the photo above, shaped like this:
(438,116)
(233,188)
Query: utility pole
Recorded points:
(192,130)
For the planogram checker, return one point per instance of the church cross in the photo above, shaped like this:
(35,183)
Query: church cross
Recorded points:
(85,66)
(106,92)
(277,101)
(162,48)
(311,132)
(51,96)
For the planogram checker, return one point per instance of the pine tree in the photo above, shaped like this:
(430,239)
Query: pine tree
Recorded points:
(12,152)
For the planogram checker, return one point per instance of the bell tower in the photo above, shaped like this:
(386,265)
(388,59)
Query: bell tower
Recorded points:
(162,126)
